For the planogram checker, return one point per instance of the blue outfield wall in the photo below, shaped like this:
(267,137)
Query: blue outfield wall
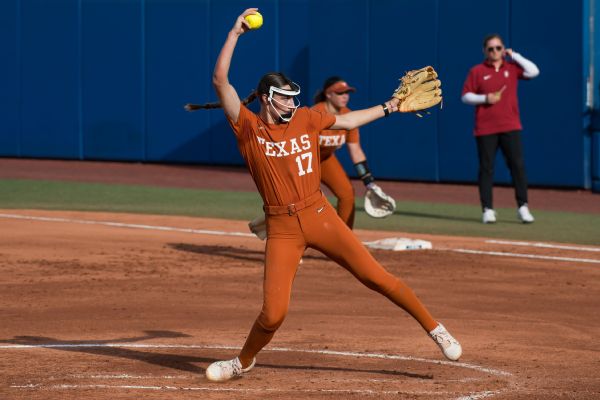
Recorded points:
(106,80)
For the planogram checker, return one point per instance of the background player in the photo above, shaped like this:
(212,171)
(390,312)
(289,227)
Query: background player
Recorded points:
(333,99)
(492,87)
(280,147)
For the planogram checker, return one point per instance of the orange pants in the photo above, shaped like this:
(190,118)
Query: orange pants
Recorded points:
(318,226)
(334,177)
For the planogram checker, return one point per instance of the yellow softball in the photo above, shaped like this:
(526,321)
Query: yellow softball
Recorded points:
(254,20)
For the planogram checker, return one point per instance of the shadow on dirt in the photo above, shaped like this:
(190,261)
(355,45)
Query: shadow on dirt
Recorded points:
(175,361)
(102,348)
(237,253)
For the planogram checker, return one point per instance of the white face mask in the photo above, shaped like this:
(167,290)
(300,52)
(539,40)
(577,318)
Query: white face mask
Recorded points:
(293,92)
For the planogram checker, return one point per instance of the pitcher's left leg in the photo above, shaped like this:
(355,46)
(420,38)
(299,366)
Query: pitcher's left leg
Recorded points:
(281,263)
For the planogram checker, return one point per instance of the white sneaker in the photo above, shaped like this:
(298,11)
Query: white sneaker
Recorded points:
(449,346)
(221,371)
(489,216)
(524,214)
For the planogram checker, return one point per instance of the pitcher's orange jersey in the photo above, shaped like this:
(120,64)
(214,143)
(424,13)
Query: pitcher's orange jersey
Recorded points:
(330,139)
(283,159)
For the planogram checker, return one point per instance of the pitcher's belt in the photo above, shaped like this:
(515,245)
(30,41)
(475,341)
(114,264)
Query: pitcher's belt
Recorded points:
(293,208)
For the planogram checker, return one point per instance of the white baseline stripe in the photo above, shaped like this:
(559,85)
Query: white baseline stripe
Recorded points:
(544,245)
(276,349)
(195,377)
(498,253)
(127,376)
(477,396)
(223,233)
(124,225)
(243,390)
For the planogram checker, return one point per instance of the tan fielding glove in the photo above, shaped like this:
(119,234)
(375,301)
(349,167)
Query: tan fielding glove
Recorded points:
(419,89)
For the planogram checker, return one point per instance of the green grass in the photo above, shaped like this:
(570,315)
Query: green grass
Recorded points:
(53,195)
(434,218)
(464,220)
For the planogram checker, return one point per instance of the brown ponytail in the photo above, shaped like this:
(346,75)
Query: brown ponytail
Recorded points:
(319,97)
(276,79)
(207,106)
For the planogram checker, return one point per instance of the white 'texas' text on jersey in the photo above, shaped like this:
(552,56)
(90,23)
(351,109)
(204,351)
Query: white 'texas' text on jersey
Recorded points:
(285,148)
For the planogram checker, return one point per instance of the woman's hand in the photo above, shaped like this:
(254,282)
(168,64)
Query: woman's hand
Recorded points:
(494,97)
(241,25)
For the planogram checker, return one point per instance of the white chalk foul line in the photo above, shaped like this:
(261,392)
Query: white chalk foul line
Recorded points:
(243,234)
(471,396)
(544,245)
(275,349)
(479,395)
(534,256)
(127,376)
(124,225)
(368,392)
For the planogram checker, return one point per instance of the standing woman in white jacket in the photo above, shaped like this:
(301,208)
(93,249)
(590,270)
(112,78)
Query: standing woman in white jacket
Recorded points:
(492,88)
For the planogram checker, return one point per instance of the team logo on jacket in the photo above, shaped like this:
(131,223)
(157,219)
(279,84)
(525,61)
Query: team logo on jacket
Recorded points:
(285,147)
(506,74)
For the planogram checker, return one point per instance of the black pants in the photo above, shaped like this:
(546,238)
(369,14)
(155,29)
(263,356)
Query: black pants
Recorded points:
(510,144)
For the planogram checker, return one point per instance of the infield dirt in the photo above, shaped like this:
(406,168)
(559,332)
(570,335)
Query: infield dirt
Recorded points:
(529,327)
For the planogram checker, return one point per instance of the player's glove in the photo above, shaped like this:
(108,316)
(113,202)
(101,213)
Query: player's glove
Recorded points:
(258,226)
(419,89)
(377,203)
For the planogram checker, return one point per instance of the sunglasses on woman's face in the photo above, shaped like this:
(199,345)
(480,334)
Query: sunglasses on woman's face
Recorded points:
(497,48)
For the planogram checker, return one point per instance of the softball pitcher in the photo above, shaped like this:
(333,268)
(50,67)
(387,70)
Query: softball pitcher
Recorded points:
(333,99)
(280,145)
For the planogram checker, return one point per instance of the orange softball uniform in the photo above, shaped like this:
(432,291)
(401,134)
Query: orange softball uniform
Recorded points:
(332,173)
(282,160)
(332,139)
(335,178)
